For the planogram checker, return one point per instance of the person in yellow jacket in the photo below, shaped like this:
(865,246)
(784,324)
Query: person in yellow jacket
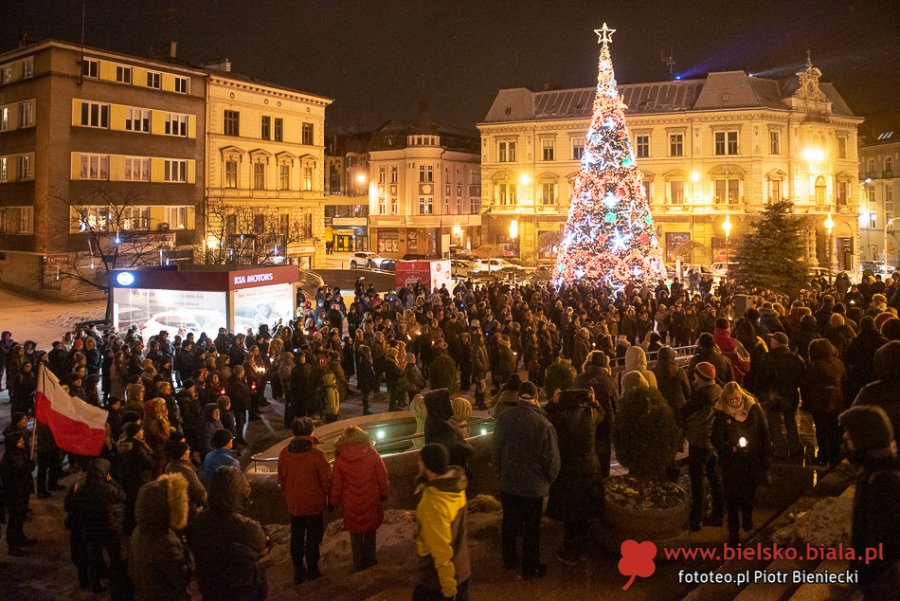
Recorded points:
(441,529)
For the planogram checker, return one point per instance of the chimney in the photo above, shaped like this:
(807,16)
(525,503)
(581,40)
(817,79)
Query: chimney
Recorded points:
(173,49)
(220,64)
(165,50)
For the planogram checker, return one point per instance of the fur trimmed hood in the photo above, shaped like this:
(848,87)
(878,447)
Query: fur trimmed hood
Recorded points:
(163,504)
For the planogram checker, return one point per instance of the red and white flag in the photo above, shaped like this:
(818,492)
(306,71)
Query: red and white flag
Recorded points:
(77,427)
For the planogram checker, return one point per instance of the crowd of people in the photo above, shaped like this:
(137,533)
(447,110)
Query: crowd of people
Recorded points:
(167,479)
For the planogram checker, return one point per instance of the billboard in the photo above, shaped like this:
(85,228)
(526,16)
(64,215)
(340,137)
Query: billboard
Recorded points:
(432,274)
(266,304)
(176,311)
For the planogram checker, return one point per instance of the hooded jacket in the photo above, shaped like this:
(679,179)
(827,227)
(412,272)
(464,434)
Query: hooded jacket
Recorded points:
(332,395)
(96,505)
(636,360)
(305,476)
(134,465)
(359,483)
(672,381)
(697,415)
(441,533)
(525,452)
(227,545)
(159,564)
(196,491)
(210,427)
(440,428)
(727,431)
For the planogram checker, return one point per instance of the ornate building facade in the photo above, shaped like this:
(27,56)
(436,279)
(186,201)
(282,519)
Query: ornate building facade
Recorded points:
(879,172)
(711,150)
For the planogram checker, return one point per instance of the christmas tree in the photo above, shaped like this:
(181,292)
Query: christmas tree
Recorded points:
(609,237)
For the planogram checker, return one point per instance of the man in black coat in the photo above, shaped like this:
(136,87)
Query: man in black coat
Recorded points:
(191,413)
(134,468)
(885,392)
(708,352)
(870,443)
(778,381)
(860,355)
(703,463)
(597,377)
(17,486)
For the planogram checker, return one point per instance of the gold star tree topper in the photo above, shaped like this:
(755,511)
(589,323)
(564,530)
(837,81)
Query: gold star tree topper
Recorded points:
(604,34)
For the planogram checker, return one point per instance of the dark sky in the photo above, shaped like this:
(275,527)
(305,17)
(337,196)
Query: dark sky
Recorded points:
(378,58)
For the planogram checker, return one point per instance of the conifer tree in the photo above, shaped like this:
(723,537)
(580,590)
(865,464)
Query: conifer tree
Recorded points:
(773,255)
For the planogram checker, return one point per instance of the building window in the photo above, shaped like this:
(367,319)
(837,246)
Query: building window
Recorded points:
(547,149)
(123,74)
(4,169)
(548,193)
(136,218)
(25,167)
(820,190)
(381,175)
(231,174)
(474,205)
(154,79)
(394,175)
(90,68)
(870,168)
(395,205)
(647,185)
(506,151)
(182,85)
(175,171)
(426,205)
(577,148)
(94,114)
(506,194)
(726,142)
(676,192)
(676,145)
(843,189)
(308,173)
(888,168)
(727,191)
(4,118)
(382,206)
(643,146)
(284,176)
(26,114)
(774,143)
(137,169)
(137,120)
(17,220)
(232,123)
(177,125)
(426,174)
(842,147)
(28,67)
(888,202)
(177,218)
(279,129)
(775,193)
(94,166)
(873,220)
(307,134)
(265,128)
(259,176)
(447,189)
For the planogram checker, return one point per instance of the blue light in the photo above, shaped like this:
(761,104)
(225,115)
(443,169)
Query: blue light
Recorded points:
(125,278)
(678,77)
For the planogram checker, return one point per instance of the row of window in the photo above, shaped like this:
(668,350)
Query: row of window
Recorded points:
(725,143)
(21,69)
(259,176)
(17,220)
(90,166)
(91,68)
(887,172)
(104,218)
(232,127)
(133,119)
(17,168)
(17,115)
(426,175)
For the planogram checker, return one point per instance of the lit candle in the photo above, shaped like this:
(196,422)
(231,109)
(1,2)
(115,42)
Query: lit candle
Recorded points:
(742,442)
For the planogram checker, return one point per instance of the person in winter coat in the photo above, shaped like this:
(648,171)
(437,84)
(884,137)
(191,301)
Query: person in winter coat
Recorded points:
(157,429)
(823,396)
(223,527)
(365,375)
(134,468)
(359,485)
(301,378)
(732,348)
(96,508)
(179,454)
(226,415)
(741,439)
(332,408)
(672,381)
(441,429)
(16,487)
(596,375)
(48,461)
(885,391)
(191,412)
(636,360)
(222,442)
(526,457)
(239,393)
(480,366)
(778,381)
(508,396)
(212,423)
(707,351)
(305,478)
(576,494)
(860,355)
(441,529)
(581,347)
(872,447)
(703,463)
(506,361)
(159,563)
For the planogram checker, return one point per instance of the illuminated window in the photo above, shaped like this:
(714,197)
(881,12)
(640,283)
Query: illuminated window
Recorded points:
(231,174)
(284,176)
(177,217)
(676,145)
(642,146)
(137,120)
(547,149)
(728,191)
(137,169)
(577,148)
(175,171)
(307,134)
(4,118)
(676,192)
(426,205)
(873,221)
(94,166)
(726,142)
(308,174)
(548,193)
(259,176)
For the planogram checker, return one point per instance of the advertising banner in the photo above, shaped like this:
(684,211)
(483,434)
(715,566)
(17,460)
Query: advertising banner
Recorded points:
(266,304)
(432,274)
(176,311)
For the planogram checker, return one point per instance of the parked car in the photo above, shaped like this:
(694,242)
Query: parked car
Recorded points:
(876,267)
(720,269)
(182,322)
(417,257)
(818,272)
(387,265)
(362,260)
(493,265)
(462,267)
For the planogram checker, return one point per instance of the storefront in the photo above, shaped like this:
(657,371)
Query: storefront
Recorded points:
(350,239)
(184,299)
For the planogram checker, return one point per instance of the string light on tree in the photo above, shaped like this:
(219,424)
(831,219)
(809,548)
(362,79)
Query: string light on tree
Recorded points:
(609,235)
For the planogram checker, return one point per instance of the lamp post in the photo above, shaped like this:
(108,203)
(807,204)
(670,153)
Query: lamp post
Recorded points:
(887,225)
(726,226)
(829,227)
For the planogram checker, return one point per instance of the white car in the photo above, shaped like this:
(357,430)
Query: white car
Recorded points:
(182,322)
(461,267)
(721,268)
(364,260)
(485,265)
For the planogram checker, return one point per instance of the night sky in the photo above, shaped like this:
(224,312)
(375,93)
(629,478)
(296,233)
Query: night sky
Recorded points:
(378,58)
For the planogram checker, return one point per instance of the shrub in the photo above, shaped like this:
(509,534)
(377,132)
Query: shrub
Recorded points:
(644,433)
(444,374)
(560,374)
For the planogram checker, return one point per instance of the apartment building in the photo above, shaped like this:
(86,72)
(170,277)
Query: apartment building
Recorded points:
(879,174)
(347,192)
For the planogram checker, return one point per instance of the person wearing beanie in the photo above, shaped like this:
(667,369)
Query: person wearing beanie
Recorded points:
(159,563)
(526,457)
(703,464)
(871,445)
(211,424)
(178,453)
(597,376)
(305,478)
(708,351)
(359,486)
(777,383)
(17,486)
(885,391)
(134,466)
(222,442)
(507,397)
(440,427)
(441,528)
(860,356)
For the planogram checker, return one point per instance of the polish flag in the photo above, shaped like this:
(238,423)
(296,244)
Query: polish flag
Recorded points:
(76,426)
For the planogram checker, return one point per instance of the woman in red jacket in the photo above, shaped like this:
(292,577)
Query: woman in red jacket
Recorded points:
(359,484)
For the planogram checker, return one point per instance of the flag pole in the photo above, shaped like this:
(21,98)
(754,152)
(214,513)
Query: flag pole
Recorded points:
(34,429)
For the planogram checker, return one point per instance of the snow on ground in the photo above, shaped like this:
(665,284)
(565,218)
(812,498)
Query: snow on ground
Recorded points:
(825,524)
(43,320)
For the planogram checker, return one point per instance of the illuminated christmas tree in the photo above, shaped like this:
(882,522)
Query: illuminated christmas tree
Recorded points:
(609,235)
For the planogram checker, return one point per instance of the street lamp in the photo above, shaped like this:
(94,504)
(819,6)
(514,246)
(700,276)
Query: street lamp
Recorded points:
(726,225)
(829,227)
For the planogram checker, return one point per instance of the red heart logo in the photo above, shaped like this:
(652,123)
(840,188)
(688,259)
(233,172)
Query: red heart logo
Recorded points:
(637,560)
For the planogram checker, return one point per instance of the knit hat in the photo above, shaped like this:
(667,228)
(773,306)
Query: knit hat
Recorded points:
(436,458)
(131,429)
(222,437)
(599,359)
(706,340)
(868,427)
(705,370)
(175,449)
(781,338)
